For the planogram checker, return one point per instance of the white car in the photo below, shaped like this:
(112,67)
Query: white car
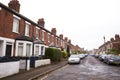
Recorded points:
(74,59)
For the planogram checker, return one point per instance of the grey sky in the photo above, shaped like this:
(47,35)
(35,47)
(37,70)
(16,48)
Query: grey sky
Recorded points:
(85,22)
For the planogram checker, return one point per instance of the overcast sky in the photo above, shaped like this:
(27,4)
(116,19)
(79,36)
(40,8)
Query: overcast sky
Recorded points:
(85,22)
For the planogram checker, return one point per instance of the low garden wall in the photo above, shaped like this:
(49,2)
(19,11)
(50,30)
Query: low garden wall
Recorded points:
(25,63)
(42,62)
(8,68)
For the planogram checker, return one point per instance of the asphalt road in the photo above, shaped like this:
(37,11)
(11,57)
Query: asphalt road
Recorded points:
(90,68)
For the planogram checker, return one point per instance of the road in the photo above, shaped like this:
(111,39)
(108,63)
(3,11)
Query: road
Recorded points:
(90,68)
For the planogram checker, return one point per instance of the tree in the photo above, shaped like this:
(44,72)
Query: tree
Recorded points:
(112,51)
(118,50)
(68,50)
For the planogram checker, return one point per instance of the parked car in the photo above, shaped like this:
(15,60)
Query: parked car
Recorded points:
(81,56)
(97,55)
(102,57)
(112,59)
(74,59)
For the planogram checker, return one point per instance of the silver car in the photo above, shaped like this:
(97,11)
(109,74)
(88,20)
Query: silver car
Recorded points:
(74,59)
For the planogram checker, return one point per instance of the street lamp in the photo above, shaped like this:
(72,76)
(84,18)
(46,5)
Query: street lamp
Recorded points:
(104,44)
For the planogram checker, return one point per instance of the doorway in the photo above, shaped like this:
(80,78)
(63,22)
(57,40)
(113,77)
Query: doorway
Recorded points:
(8,50)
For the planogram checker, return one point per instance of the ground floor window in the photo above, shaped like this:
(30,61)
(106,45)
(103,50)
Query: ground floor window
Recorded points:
(23,48)
(28,50)
(42,50)
(6,46)
(8,49)
(39,49)
(20,49)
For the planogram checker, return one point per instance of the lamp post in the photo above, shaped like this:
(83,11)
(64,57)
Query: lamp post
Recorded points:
(104,44)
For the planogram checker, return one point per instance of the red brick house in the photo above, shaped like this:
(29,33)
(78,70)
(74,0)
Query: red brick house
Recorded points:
(20,36)
(114,43)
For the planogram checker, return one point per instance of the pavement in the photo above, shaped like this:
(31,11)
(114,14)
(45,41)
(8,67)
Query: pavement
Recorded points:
(34,73)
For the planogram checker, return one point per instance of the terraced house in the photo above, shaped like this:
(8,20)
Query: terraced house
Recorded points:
(114,43)
(20,36)
(24,38)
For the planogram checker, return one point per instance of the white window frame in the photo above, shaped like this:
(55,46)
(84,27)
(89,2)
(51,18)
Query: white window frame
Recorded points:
(17,20)
(37,35)
(53,38)
(37,52)
(24,47)
(57,40)
(40,52)
(48,37)
(28,53)
(27,29)
(5,41)
(43,35)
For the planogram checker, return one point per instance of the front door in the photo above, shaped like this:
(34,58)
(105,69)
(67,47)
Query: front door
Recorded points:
(8,50)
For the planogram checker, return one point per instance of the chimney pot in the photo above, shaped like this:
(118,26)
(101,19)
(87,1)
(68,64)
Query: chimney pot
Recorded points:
(61,36)
(53,31)
(41,22)
(66,39)
(116,37)
(112,39)
(14,4)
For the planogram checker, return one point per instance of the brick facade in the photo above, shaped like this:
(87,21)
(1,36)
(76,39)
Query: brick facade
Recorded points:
(114,43)
(34,39)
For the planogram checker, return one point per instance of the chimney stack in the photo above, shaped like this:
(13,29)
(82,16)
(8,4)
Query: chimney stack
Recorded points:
(53,31)
(69,41)
(112,39)
(61,36)
(117,37)
(41,22)
(66,39)
(14,4)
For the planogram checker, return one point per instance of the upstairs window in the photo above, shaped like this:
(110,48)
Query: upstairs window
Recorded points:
(48,37)
(57,41)
(52,39)
(43,35)
(37,33)
(15,25)
(27,29)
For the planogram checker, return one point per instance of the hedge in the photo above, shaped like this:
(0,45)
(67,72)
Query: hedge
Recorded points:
(53,54)
(64,54)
